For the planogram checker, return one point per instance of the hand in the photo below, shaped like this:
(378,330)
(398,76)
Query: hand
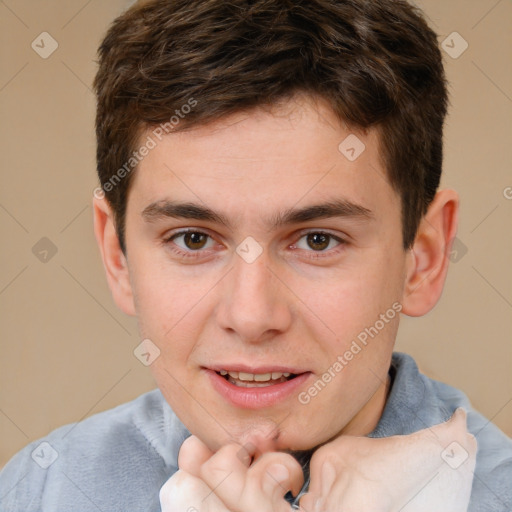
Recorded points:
(227,481)
(406,473)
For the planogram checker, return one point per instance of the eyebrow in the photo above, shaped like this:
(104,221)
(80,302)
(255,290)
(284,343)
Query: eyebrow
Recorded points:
(336,208)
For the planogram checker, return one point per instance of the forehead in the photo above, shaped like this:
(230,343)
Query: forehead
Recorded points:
(296,152)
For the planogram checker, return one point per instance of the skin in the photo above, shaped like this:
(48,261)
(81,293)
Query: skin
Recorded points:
(295,305)
(349,473)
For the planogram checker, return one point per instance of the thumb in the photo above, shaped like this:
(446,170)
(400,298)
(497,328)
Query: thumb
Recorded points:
(278,473)
(193,454)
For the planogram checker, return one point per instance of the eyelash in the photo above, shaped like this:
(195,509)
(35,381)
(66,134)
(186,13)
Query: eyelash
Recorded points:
(197,254)
(180,252)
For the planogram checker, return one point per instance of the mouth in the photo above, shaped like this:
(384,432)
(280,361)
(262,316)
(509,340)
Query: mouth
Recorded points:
(256,388)
(255,380)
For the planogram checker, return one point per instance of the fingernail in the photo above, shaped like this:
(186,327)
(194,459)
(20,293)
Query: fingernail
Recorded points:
(279,472)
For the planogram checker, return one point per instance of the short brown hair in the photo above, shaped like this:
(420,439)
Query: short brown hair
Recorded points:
(377,63)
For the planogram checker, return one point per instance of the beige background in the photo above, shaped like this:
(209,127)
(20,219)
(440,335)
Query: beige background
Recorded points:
(67,352)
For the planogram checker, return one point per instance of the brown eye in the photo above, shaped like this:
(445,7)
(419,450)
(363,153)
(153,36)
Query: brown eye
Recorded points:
(192,240)
(318,241)
(195,240)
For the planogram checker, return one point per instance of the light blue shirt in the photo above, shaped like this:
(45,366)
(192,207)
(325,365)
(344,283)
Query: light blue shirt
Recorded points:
(119,459)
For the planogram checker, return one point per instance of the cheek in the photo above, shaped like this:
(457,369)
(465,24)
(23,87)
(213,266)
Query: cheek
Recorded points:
(361,308)
(167,300)
(353,299)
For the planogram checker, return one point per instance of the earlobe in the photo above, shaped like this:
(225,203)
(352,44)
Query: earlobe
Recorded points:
(114,261)
(427,262)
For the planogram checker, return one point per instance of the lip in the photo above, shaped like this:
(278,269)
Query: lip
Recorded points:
(257,397)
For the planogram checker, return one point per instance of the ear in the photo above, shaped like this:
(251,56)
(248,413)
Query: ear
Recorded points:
(114,261)
(427,261)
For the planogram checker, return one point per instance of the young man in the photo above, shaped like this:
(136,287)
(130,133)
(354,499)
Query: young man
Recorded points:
(268,208)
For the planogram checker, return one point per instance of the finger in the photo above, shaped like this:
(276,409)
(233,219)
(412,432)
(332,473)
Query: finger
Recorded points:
(323,475)
(268,480)
(249,452)
(186,493)
(261,487)
(193,454)
(258,444)
(310,502)
(225,472)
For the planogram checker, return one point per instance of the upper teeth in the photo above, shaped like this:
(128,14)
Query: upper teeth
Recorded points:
(258,377)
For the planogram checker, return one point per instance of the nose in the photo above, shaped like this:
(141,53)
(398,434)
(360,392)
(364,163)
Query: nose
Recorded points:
(254,303)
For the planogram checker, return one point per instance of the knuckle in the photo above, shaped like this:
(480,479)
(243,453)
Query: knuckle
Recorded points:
(322,455)
(216,467)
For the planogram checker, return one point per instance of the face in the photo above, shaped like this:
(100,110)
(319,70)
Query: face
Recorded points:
(267,266)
